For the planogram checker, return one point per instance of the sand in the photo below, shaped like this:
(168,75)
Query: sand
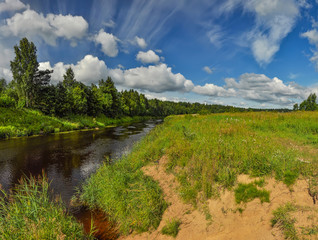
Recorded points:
(227,222)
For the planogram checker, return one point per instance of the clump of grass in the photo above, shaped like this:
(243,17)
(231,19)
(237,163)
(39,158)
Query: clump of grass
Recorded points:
(172,227)
(283,219)
(248,192)
(131,199)
(28,213)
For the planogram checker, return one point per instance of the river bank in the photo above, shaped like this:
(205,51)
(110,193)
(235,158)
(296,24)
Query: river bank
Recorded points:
(25,122)
(207,157)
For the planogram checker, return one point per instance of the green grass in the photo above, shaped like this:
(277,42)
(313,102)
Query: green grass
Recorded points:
(171,228)
(27,122)
(29,213)
(283,219)
(133,200)
(248,192)
(206,153)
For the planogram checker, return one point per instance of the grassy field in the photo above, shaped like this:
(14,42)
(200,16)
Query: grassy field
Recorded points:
(26,122)
(29,213)
(206,154)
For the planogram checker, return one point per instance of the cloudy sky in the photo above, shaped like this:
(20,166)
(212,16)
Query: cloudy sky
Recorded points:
(248,53)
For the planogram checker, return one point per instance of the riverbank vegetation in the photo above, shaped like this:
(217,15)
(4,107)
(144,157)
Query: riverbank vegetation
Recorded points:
(29,212)
(206,154)
(28,122)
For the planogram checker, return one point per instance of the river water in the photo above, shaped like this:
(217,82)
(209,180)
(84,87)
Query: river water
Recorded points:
(67,158)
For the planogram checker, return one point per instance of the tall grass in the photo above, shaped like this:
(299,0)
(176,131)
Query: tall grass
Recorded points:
(133,200)
(29,213)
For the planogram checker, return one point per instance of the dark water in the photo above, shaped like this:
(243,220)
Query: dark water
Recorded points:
(67,159)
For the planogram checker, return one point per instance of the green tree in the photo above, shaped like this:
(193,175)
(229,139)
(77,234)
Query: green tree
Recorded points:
(3,85)
(309,104)
(24,67)
(108,87)
(69,79)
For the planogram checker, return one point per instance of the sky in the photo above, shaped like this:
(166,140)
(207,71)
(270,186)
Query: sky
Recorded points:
(244,53)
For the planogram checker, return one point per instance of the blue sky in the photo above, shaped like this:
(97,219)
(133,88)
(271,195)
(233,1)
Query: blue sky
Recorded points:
(247,53)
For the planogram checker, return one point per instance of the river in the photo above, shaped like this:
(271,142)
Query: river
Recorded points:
(67,158)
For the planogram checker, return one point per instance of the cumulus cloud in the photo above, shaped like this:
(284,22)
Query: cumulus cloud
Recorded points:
(148,57)
(12,5)
(88,70)
(210,89)
(207,69)
(274,20)
(50,27)
(158,78)
(140,42)
(108,42)
(260,88)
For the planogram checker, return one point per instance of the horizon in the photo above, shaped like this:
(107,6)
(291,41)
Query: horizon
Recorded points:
(248,54)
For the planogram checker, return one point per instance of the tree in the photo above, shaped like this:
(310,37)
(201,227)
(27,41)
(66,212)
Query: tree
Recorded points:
(108,87)
(3,85)
(24,67)
(69,79)
(309,104)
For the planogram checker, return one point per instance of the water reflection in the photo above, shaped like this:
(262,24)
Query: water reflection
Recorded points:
(66,158)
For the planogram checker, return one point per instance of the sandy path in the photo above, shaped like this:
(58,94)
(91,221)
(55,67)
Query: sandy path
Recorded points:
(227,222)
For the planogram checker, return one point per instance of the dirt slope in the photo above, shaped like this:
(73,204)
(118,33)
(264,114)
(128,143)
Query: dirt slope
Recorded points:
(227,221)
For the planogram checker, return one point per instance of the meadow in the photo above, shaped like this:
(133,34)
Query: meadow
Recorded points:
(206,153)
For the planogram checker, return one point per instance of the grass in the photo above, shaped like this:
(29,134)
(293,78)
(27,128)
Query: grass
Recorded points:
(133,200)
(27,122)
(171,228)
(206,153)
(29,213)
(283,219)
(248,192)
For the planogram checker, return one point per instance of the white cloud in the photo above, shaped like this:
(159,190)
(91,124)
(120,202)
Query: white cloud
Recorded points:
(207,69)
(89,70)
(109,24)
(49,28)
(312,36)
(210,89)
(6,74)
(156,79)
(12,5)
(147,57)
(216,36)
(140,42)
(108,42)
(260,88)
(274,20)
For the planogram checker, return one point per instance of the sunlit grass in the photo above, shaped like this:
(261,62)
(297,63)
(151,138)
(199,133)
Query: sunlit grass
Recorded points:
(27,122)
(207,153)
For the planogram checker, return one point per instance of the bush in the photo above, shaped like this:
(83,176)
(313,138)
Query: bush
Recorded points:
(6,101)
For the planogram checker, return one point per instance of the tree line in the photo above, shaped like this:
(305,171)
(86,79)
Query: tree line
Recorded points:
(32,88)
